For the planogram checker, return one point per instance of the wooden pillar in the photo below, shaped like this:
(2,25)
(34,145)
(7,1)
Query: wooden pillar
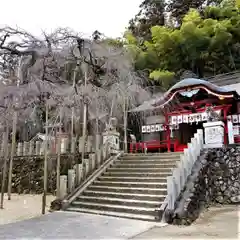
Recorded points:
(168,133)
(225,110)
(238,107)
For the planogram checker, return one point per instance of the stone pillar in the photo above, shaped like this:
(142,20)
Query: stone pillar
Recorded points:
(89,143)
(92,158)
(38,147)
(80,144)
(42,146)
(31,148)
(99,158)
(79,172)
(214,134)
(63,186)
(25,148)
(97,142)
(73,145)
(20,149)
(230,132)
(87,167)
(64,143)
(71,180)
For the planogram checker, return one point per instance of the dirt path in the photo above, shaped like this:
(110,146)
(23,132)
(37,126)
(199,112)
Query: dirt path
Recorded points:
(217,222)
(22,207)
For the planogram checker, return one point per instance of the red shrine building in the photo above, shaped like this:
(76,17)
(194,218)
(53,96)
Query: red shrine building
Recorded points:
(170,121)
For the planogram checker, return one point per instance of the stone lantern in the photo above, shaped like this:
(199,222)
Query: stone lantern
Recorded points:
(111,135)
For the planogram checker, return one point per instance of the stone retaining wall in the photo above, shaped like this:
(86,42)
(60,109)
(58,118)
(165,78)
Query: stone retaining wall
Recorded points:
(215,179)
(28,172)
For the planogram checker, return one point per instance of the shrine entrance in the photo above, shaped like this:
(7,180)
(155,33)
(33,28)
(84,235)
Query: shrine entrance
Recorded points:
(186,132)
(184,107)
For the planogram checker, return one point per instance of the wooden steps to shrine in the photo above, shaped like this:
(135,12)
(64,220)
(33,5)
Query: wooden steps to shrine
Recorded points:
(134,187)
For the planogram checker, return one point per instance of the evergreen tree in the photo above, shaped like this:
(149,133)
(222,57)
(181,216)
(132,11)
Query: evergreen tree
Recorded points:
(205,44)
(152,13)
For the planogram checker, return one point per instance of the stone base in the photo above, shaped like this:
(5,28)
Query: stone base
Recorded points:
(214,133)
(213,145)
(113,138)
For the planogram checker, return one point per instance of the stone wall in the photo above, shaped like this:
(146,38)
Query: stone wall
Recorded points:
(28,172)
(215,179)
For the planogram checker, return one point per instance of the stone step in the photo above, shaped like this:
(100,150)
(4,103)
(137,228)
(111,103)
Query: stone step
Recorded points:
(113,214)
(161,191)
(131,184)
(113,207)
(133,179)
(151,156)
(139,169)
(148,161)
(136,174)
(113,194)
(144,165)
(118,201)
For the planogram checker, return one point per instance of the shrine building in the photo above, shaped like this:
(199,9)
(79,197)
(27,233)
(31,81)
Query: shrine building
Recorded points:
(170,121)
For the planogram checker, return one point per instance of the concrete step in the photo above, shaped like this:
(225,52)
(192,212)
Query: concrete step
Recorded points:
(139,169)
(133,179)
(136,174)
(113,214)
(145,184)
(96,187)
(113,194)
(118,201)
(118,208)
(124,164)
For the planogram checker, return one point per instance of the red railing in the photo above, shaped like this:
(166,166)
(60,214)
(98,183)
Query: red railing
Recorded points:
(154,145)
(237,139)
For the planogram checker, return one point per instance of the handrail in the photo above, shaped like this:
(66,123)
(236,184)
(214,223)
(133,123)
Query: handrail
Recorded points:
(177,181)
(67,200)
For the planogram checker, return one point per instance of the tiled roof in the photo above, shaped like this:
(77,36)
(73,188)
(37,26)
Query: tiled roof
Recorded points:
(225,79)
(194,82)
(217,83)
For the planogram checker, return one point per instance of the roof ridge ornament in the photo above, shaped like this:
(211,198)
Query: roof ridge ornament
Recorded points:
(189,92)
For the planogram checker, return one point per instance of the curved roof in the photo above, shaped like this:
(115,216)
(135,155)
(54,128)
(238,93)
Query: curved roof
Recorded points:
(190,82)
(194,82)
(185,83)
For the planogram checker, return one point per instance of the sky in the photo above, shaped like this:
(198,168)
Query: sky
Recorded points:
(107,16)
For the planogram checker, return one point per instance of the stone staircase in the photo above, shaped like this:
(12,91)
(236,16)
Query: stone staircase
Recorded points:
(134,186)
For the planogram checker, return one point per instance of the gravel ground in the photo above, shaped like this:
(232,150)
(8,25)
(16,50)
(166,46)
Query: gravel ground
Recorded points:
(22,207)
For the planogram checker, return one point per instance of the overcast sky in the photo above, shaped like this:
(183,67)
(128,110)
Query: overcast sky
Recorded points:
(107,16)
